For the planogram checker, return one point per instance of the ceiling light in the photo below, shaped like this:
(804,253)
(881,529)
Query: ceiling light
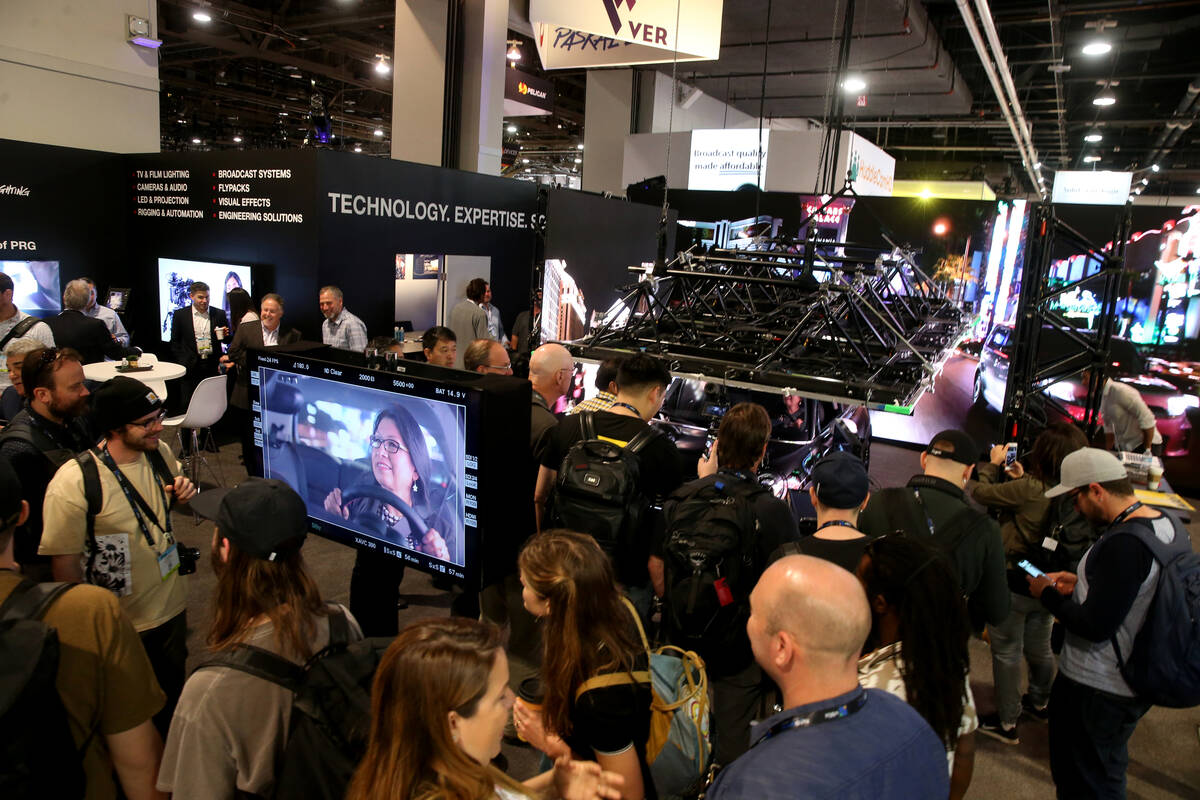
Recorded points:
(1198,191)
(926,193)
(1038,165)
(1154,167)
(854,84)
(524,160)
(1090,159)
(578,147)
(1145,182)
(195,140)
(379,131)
(579,161)
(1094,136)
(237,140)
(283,113)
(201,16)
(358,148)
(1097,48)
(1105,98)
(511,129)
(514,52)
(382,66)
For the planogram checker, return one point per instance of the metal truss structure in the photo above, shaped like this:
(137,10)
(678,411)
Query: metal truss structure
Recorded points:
(1029,371)
(833,321)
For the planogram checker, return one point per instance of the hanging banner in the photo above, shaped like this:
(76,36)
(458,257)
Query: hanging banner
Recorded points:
(1092,188)
(526,95)
(869,168)
(616,33)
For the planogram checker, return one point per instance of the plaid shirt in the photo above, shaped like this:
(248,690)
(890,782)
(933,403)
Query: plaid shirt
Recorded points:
(346,332)
(601,402)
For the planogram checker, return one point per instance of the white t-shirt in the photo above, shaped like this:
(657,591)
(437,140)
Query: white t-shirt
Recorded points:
(1126,415)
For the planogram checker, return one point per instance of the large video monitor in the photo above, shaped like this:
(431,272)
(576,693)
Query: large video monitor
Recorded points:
(388,462)
(175,279)
(36,288)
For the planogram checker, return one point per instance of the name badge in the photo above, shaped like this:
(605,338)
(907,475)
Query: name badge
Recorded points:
(168,562)
(1050,544)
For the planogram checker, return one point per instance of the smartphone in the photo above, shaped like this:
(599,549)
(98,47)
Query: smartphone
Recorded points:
(708,443)
(1010,455)
(1030,568)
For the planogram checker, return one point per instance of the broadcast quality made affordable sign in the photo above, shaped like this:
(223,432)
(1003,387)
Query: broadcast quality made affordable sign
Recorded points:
(1092,188)
(615,33)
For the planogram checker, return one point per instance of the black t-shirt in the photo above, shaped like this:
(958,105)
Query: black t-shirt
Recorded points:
(846,553)
(660,472)
(610,719)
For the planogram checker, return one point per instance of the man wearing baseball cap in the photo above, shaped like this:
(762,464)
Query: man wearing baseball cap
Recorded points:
(1093,710)
(933,506)
(230,727)
(839,492)
(130,547)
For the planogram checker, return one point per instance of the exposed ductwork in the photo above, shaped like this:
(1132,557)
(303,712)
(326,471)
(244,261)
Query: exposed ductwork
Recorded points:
(1181,120)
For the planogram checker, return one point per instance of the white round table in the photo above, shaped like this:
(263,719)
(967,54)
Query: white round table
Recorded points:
(155,377)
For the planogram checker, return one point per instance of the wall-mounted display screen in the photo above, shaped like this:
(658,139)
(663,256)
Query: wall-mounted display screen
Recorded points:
(175,279)
(384,462)
(36,287)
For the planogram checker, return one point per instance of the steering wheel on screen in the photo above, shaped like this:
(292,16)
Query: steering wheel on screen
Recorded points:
(416,525)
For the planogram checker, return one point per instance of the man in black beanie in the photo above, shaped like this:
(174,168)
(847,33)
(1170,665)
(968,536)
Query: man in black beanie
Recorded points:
(108,522)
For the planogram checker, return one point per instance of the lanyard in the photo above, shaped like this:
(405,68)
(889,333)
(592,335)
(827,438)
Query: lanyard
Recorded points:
(138,504)
(810,718)
(630,407)
(740,474)
(835,522)
(924,510)
(36,421)
(1124,515)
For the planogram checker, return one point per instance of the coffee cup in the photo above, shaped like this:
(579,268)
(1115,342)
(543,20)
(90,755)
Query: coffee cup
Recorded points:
(220,334)
(531,693)
(1154,477)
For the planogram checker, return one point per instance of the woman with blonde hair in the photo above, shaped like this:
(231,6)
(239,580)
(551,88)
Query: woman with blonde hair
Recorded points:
(589,630)
(438,708)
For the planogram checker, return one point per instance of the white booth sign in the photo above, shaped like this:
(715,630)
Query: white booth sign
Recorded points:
(1092,188)
(869,168)
(614,33)
(724,160)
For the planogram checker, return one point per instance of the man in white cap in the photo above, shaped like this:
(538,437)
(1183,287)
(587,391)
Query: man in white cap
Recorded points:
(1093,710)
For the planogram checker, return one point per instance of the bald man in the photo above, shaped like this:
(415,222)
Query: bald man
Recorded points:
(808,621)
(550,369)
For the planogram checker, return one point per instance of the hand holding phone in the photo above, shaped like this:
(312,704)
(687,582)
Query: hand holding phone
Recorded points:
(1028,566)
(1010,455)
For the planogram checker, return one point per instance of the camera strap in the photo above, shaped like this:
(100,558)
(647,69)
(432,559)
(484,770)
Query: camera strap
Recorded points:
(817,717)
(141,509)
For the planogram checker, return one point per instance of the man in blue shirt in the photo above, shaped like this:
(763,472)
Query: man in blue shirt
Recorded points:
(808,621)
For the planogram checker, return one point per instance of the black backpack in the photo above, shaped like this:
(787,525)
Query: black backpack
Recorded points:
(331,712)
(598,491)
(38,757)
(711,532)
(907,515)
(1071,530)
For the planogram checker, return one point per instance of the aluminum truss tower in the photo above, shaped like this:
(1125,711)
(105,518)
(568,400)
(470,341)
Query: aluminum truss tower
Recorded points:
(1050,238)
(829,320)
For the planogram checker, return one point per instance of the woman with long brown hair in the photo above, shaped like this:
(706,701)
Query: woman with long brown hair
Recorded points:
(589,631)
(438,709)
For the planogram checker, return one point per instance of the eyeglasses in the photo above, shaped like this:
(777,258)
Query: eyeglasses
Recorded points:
(390,446)
(157,419)
(502,367)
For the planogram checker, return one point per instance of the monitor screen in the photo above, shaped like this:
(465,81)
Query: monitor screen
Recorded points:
(384,462)
(175,279)
(36,289)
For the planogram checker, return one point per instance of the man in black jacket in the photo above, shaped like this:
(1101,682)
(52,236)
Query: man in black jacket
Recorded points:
(933,506)
(76,330)
(43,436)
(196,334)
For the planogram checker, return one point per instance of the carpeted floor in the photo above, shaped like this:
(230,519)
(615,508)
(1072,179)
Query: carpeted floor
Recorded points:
(1164,752)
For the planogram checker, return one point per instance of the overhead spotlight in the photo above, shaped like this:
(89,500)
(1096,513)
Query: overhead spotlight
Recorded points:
(1093,136)
(514,52)
(201,16)
(195,140)
(1145,182)
(578,147)
(237,140)
(358,148)
(579,161)
(1198,191)
(381,65)
(926,193)
(379,131)
(854,84)
(1154,167)
(941,227)
(1090,159)
(511,129)
(1105,98)
(1038,165)
(1096,48)
(524,160)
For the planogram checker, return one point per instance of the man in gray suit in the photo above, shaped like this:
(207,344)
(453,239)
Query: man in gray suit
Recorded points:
(468,320)
(266,331)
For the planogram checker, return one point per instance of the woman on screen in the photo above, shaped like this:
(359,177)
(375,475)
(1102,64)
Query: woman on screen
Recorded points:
(232,281)
(400,464)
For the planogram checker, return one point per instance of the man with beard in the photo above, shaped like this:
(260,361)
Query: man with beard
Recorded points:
(105,315)
(125,542)
(42,437)
(231,726)
(341,329)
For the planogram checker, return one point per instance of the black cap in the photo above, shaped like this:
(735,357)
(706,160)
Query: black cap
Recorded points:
(11,494)
(954,445)
(121,400)
(840,480)
(264,518)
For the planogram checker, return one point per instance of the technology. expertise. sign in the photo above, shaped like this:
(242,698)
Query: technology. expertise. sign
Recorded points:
(614,33)
(1092,188)
(725,160)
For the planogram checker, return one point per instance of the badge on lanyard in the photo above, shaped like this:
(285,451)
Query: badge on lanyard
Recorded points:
(168,562)
(1050,544)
